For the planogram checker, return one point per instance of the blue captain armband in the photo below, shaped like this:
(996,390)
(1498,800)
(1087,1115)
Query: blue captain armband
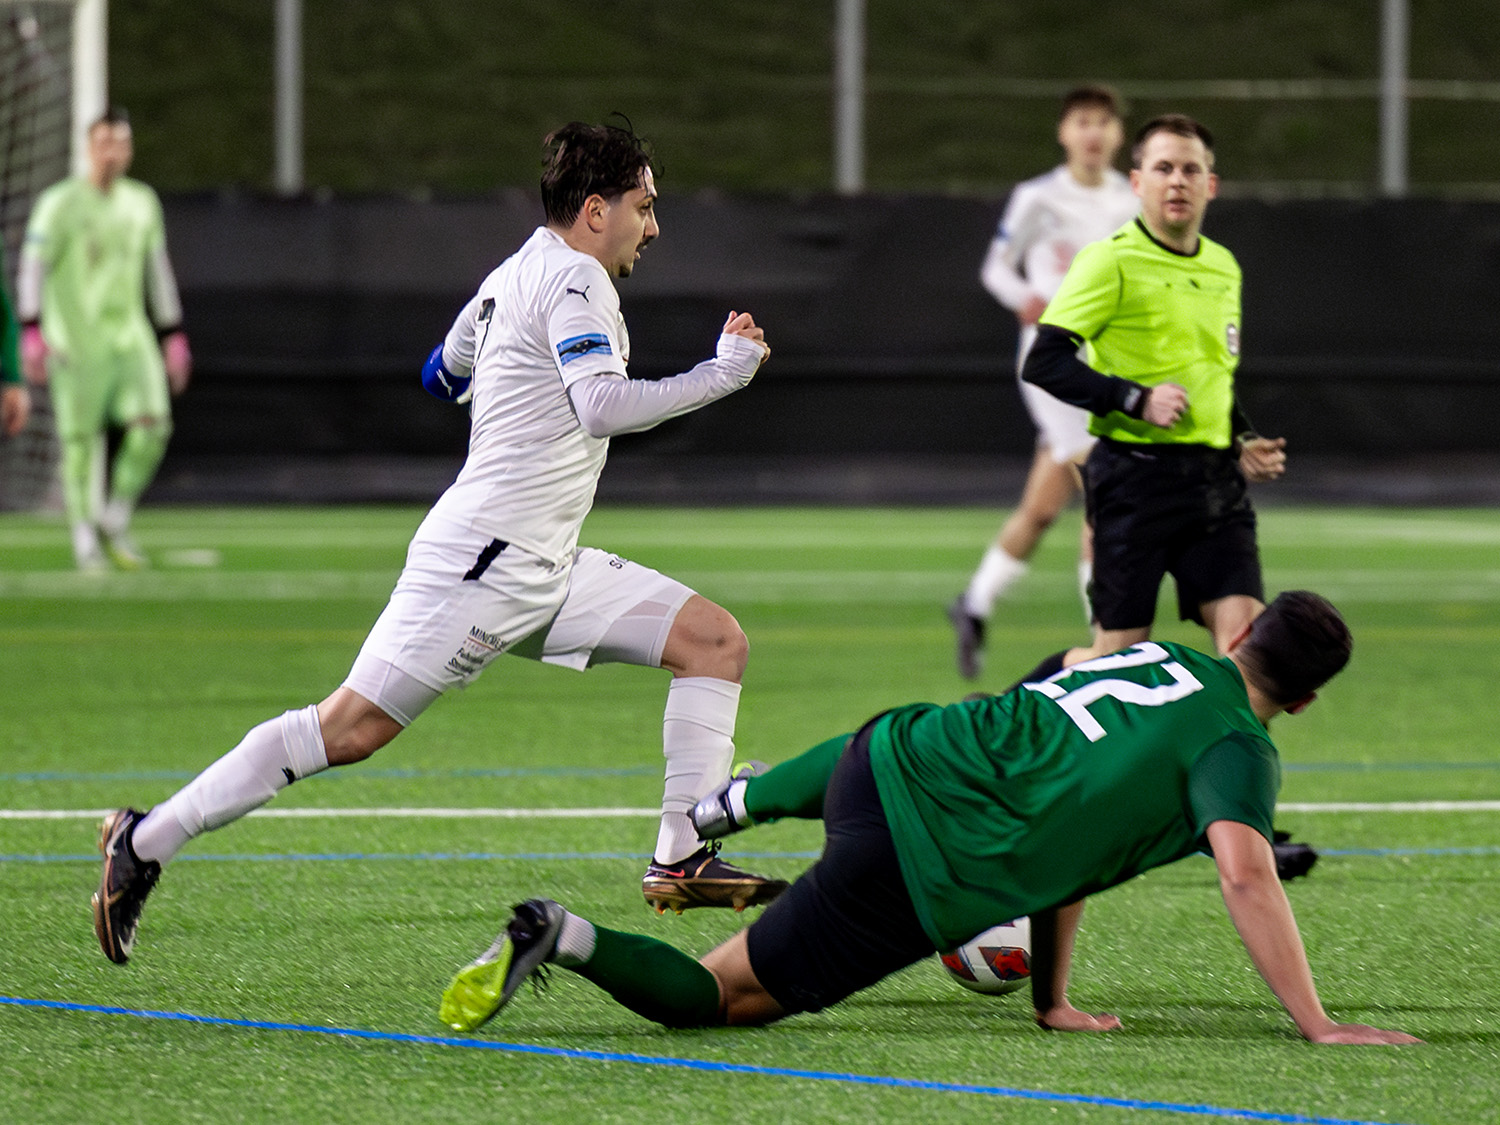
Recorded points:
(441,383)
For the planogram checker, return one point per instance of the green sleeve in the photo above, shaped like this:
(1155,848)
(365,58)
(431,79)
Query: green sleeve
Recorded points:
(10,337)
(1235,779)
(1090,293)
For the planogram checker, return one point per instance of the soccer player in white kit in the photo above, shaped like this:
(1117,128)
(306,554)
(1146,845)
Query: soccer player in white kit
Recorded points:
(1046,221)
(496,567)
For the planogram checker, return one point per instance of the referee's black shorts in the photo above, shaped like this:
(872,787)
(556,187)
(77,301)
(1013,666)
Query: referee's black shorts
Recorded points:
(849,921)
(1166,509)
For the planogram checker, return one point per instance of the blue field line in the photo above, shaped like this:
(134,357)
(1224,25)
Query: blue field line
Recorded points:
(671,1062)
(1484,849)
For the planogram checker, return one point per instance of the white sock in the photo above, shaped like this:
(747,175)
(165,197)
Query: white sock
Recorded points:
(115,518)
(1085,576)
(575,941)
(998,572)
(85,540)
(266,761)
(698,742)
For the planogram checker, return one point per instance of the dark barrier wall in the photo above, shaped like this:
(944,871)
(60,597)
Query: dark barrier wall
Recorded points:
(1370,328)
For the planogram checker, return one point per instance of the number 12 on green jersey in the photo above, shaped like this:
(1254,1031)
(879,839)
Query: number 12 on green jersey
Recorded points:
(1075,703)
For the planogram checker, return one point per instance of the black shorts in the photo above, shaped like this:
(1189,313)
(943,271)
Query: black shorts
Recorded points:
(849,921)
(1162,509)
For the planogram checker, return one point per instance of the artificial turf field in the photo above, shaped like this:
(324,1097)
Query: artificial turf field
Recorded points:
(288,967)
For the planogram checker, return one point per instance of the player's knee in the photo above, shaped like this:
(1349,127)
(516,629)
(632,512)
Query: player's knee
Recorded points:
(729,648)
(1041,517)
(152,427)
(706,640)
(353,728)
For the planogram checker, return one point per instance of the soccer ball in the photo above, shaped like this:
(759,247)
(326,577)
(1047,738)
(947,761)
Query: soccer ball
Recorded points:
(995,962)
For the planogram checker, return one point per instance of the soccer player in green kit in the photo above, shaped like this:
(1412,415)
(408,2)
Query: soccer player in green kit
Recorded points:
(94,258)
(15,399)
(943,821)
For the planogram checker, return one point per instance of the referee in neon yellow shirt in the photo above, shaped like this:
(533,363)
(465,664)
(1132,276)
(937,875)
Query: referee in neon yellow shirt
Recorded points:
(94,262)
(1157,307)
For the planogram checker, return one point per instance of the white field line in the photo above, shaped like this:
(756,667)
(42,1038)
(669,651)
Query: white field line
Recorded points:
(828,586)
(603,813)
(377,813)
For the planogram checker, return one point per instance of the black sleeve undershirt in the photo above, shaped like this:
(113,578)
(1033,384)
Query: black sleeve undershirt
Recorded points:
(1054,366)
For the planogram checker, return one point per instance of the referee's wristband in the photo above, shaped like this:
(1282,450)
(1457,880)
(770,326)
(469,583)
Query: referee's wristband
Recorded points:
(1133,402)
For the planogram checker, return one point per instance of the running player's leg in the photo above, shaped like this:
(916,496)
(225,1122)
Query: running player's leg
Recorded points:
(618,611)
(1051,483)
(141,408)
(455,608)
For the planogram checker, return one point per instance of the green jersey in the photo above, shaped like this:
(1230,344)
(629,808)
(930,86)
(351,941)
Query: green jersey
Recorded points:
(1009,805)
(1152,315)
(98,250)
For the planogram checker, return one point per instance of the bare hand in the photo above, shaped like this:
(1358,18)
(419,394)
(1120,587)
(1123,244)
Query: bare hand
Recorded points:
(1263,459)
(1361,1034)
(177,357)
(1032,310)
(1065,1017)
(1165,403)
(15,408)
(743,324)
(34,355)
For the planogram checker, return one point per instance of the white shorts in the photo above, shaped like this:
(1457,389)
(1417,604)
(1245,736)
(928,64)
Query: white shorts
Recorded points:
(1060,426)
(459,603)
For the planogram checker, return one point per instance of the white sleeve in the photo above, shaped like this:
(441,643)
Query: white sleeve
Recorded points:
(161,290)
(462,341)
(584,328)
(1001,272)
(609,403)
(29,285)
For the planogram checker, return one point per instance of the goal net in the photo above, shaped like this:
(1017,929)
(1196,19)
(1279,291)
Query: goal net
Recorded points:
(37,122)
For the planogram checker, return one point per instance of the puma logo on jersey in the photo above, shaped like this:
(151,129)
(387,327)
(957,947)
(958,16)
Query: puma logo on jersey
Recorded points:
(575,347)
(584,292)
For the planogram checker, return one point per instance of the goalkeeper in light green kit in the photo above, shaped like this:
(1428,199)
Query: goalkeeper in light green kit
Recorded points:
(93,265)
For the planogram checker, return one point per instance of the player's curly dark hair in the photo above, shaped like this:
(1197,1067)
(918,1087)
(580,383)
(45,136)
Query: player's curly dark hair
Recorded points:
(585,160)
(1297,644)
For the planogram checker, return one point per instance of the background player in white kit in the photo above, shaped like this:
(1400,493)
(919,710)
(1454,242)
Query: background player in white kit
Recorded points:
(495,566)
(1046,221)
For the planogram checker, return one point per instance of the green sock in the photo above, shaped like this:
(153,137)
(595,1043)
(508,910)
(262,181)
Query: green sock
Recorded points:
(653,979)
(795,788)
(136,462)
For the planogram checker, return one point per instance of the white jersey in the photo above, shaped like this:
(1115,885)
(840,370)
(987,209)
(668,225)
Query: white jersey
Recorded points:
(545,318)
(1047,220)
